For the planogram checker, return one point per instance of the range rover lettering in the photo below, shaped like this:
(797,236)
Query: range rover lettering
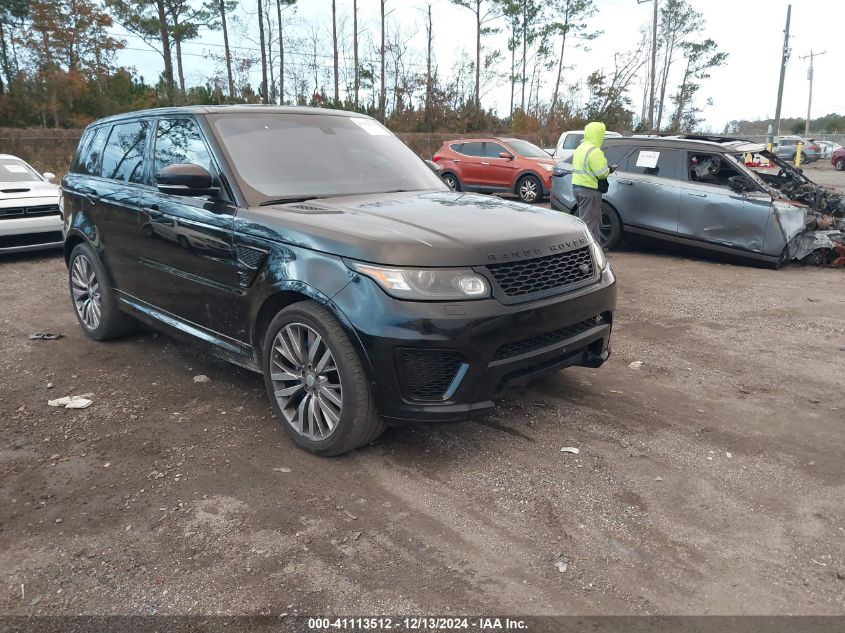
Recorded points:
(314,247)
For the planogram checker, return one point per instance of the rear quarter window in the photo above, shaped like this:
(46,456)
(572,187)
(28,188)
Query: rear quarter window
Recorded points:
(90,151)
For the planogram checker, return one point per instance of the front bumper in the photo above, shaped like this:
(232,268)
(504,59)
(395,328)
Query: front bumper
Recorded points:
(30,233)
(483,347)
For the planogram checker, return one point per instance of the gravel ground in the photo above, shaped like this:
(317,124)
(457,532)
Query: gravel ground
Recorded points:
(709,481)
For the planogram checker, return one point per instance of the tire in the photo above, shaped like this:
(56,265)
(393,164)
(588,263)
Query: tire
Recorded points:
(94,301)
(308,411)
(803,158)
(451,181)
(840,164)
(529,189)
(611,227)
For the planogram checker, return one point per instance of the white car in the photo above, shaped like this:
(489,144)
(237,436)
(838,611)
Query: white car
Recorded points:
(29,208)
(569,142)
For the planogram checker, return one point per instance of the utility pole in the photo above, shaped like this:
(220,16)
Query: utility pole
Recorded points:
(653,65)
(810,79)
(783,62)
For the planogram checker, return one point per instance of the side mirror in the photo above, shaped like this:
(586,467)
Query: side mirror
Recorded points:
(186,180)
(49,176)
(505,155)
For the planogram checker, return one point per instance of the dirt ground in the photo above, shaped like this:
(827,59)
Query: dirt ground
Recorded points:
(709,481)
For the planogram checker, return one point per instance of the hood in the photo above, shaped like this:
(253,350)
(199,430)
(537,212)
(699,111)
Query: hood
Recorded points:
(594,133)
(23,190)
(435,229)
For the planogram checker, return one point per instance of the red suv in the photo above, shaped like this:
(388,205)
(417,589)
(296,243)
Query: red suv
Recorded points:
(492,165)
(837,160)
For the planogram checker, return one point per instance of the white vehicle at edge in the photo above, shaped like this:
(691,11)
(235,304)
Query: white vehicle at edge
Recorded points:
(569,141)
(29,208)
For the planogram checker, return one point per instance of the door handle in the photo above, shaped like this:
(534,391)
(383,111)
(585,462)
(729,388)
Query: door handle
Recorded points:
(624,182)
(151,209)
(485,163)
(697,194)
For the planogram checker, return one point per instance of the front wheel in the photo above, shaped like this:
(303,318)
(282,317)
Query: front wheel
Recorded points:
(840,164)
(530,189)
(316,382)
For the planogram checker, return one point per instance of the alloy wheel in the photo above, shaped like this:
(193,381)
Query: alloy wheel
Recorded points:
(306,381)
(528,190)
(450,182)
(85,289)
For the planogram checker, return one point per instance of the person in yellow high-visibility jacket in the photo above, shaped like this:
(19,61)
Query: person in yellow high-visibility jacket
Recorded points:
(589,167)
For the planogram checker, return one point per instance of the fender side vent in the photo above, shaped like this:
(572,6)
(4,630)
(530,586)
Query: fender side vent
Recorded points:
(250,260)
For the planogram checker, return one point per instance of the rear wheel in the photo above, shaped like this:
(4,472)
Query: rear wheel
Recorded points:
(316,382)
(452,182)
(840,164)
(94,300)
(611,227)
(529,189)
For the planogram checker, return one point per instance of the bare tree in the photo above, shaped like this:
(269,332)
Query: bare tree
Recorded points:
(227,50)
(678,20)
(485,12)
(334,45)
(265,97)
(355,50)
(382,93)
(279,5)
(573,16)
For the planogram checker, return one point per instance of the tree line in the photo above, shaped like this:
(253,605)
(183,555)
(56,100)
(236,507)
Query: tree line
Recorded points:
(58,63)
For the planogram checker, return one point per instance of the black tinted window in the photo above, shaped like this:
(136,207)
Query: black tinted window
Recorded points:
(88,161)
(653,162)
(180,141)
(473,149)
(123,157)
(614,155)
(492,150)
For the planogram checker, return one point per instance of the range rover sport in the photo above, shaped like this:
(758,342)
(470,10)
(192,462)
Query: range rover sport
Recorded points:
(314,247)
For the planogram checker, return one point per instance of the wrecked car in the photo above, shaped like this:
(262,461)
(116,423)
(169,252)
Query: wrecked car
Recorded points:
(697,192)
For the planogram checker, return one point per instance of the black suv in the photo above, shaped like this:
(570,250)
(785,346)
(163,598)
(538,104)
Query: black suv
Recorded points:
(314,247)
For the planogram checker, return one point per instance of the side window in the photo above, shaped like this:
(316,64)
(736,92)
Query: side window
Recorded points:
(711,169)
(653,162)
(492,150)
(180,141)
(473,149)
(123,156)
(572,141)
(88,160)
(614,155)
(456,147)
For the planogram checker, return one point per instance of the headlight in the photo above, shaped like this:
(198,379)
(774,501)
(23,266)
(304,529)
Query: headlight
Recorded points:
(427,284)
(598,254)
(546,167)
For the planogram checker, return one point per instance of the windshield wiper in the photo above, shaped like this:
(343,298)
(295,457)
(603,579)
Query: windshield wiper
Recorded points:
(287,200)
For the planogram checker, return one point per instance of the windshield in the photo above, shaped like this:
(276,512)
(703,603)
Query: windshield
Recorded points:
(14,170)
(280,156)
(526,149)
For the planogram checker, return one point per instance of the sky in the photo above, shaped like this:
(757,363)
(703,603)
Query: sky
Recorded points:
(750,31)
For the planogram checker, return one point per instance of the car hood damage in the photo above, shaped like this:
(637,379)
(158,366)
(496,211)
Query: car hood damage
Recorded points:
(814,218)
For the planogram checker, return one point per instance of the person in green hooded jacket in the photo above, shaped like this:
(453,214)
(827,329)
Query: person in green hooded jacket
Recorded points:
(589,167)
